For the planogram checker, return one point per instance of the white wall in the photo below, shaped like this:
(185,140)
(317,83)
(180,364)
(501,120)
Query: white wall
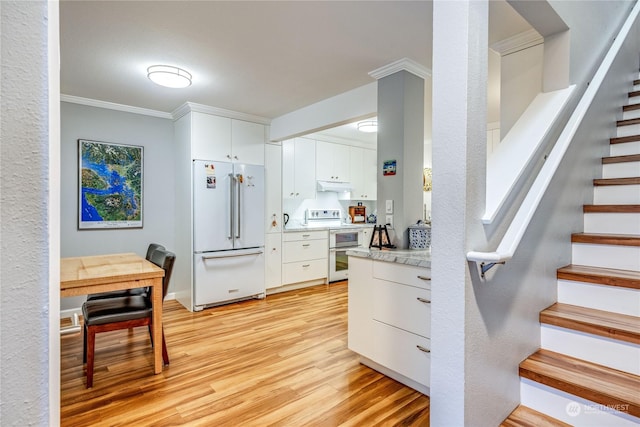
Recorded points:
(156,136)
(24,229)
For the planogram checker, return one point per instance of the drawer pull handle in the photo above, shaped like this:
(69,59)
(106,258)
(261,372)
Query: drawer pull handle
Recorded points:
(306,244)
(424,278)
(305,265)
(421,348)
(306,235)
(426,301)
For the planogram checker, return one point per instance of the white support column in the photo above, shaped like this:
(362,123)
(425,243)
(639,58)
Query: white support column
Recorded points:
(459,157)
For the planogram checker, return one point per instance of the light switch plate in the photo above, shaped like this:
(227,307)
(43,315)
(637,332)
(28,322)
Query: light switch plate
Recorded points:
(389,220)
(388,206)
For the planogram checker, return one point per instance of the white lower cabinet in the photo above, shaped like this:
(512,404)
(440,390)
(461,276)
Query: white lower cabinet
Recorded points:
(273,260)
(304,256)
(390,319)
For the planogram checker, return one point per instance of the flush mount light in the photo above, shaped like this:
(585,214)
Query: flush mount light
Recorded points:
(169,76)
(368,126)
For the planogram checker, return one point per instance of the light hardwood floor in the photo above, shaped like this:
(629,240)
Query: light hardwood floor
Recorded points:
(282,361)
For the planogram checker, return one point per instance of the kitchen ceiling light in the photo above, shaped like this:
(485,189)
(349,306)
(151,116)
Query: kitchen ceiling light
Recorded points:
(169,76)
(368,126)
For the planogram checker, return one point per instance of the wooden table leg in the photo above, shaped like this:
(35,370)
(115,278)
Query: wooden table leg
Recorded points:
(157,324)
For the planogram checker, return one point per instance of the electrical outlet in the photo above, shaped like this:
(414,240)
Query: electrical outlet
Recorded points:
(389,221)
(388,206)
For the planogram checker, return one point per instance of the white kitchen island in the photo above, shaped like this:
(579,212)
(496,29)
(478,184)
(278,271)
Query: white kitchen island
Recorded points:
(390,313)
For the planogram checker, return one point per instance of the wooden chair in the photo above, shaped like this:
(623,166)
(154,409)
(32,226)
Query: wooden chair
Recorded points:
(110,314)
(126,292)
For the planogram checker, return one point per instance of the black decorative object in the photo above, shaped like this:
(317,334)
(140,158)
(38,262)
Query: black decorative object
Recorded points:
(380,238)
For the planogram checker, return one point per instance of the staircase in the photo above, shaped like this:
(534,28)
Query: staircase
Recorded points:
(587,372)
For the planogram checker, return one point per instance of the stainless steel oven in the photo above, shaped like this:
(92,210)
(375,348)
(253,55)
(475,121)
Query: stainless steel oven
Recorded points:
(340,241)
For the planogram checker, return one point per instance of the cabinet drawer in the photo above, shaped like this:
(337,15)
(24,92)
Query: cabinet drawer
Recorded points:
(402,306)
(405,274)
(303,271)
(401,351)
(305,250)
(305,235)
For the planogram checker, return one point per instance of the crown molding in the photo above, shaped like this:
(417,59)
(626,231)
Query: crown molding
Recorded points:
(404,64)
(188,107)
(113,106)
(518,42)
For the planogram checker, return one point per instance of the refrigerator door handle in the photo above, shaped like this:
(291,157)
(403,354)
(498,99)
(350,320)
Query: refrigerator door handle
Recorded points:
(231,191)
(228,254)
(238,205)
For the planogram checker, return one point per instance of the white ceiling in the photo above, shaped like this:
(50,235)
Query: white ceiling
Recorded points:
(265,58)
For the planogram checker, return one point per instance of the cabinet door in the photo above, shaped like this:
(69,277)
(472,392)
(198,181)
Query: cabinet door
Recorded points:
(288,169)
(360,322)
(324,161)
(370,174)
(356,163)
(273,185)
(247,142)
(341,166)
(332,162)
(210,137)
(304,169)
(273,260)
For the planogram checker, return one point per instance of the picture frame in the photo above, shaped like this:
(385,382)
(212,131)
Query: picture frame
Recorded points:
(110,185)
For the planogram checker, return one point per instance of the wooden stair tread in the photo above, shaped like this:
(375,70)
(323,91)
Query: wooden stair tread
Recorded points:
(524,416)
(606,239)
(621,159)
(599,275)
(611,208)
(634,93)
(617,181)
(631,107)
(591,321)
(623,139)
(636,82)
(628,122)
(588,380)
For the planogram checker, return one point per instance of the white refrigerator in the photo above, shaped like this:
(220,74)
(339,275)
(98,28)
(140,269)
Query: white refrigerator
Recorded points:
(228,232)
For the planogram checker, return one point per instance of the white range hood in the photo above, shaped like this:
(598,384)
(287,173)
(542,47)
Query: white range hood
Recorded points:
(337,187)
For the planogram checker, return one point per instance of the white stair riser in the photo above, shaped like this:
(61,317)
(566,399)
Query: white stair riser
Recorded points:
(628,130)
(559,405)
(612,223)
(621,170)
(600,297)
(616,194)
(633,114)
(615,354)
(607,256)
(624,149)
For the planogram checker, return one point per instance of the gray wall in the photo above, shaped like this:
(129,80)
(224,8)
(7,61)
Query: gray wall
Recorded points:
(24,237)
(482,329)
(156,136)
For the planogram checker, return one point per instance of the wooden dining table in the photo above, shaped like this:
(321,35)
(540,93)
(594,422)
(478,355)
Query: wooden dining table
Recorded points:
(103,273)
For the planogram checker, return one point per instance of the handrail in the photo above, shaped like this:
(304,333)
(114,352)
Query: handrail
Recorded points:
(521,220)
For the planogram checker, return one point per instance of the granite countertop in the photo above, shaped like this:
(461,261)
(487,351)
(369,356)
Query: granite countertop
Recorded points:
(415,257)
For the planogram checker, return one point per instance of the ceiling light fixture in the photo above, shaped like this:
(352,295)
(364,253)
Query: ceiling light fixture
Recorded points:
(368,126)
(169,76)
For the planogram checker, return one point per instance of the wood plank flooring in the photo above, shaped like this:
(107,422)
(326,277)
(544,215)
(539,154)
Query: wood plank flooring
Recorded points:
(282,361)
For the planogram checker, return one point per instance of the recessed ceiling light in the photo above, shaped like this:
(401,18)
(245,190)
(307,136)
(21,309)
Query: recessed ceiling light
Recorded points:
(368,126)
(169,76)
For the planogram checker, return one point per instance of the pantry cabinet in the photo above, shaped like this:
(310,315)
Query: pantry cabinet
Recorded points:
(332,162)
(298,169)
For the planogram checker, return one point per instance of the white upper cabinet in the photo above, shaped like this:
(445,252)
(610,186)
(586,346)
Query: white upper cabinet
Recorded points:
(210,137)
(363,163)
(226,140)
(247,142)
(298,168)
(332,162)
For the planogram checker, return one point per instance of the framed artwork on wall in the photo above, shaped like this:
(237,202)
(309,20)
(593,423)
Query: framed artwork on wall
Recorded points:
(110,184)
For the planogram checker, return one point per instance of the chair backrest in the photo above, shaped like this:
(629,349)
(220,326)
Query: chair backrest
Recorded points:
(164,259)
(152,248)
